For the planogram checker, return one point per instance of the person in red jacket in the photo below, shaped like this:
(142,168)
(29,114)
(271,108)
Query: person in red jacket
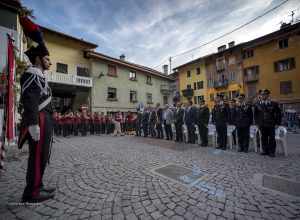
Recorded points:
(97,121)
(129,120)
(77,122)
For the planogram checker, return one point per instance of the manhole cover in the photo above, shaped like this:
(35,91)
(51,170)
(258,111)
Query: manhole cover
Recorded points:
(180,174)
(282,185)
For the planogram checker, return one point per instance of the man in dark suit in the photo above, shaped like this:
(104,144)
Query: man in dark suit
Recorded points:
(221,117)
(159,121)
(145,118)
(268,119)
(152,121)
(190,121)
(178,118)
(242,118)
(138,123)
(202,122)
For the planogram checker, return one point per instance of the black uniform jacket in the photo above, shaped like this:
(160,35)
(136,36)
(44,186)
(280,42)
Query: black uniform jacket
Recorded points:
(268,114)
(242,115)
(221,114)
(203,115)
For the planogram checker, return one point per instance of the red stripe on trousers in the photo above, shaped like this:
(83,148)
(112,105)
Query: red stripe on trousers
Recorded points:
(21,141)
(38,156)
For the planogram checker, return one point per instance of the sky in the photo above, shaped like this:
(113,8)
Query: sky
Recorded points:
(151,31)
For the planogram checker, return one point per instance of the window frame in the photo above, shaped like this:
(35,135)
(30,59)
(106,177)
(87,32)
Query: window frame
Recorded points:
(115,68)
(133,92)
(198,72)
(132,75)
(112,98)
(147,81)
(291,64)
(188,74)
(281,43)
(147,96)
(57,70)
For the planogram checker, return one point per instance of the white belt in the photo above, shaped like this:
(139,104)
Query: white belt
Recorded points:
(44,103)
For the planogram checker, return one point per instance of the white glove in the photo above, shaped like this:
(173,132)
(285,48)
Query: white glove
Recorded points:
(34,131)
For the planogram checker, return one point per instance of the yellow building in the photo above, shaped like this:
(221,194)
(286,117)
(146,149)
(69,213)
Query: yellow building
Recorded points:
(224,73)
(69,75)
(273,62)
(192,80)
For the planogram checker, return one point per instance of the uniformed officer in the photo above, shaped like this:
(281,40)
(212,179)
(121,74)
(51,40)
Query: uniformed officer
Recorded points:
(242,117)
(268,119)
(232,103)
(202,122)
(220,117)
(36,125)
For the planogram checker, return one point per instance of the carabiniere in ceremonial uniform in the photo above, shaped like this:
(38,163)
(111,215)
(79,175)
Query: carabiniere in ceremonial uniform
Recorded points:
(268,119)
(242,117)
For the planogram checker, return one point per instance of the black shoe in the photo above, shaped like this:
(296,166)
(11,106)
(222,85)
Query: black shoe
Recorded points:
(43,196)
(240,150)
(49,189)
(264,153)
(218,147)
(223,148)
(246,150)
(272,155)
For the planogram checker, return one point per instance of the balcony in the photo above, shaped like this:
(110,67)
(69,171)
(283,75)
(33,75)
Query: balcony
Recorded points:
(69,79)
(187,92)
(251,78)
(220,67)
(220,84)
(166,88)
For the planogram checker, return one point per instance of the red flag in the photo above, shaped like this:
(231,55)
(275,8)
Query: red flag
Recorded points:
(10,103)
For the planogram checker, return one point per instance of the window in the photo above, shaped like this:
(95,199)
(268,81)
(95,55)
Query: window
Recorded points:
(132,75)
(133,96)
(199,98)
(149,98)
(283,65)
(188,87)
(149,80)
(248,54)
(284,43)
(211,97)
(232,76)
(111,93)
(250,71)
(220,63)
(233,94)
(81,71)
(209,81)
(112,70)
(166,100)
(198,71)
(62,68)
(286,87)
(198,85)
(188,74)
(251,93)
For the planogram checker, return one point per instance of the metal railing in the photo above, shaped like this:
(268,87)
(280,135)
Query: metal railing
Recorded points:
(69,79)
(220,84)
(251,77)
(166,88)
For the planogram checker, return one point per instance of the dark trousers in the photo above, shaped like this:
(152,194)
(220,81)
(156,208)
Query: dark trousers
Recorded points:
(138,129)
(76,129)
(92,128)
(178,127)
(152,129)
(84,128)
(55,128)
(268,139)
(103,128)
(145,129)
(203,131)
(168,130)
(191,133)
(38,158)
(160,132)
(222,136)
(60,129)
(243,137)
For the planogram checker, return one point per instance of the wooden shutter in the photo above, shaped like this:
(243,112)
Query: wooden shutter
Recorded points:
(256,69)
(292,63)
(276,69)
(112,70)
(195,86)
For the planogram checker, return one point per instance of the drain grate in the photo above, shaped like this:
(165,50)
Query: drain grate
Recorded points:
(282,185)
(179,173)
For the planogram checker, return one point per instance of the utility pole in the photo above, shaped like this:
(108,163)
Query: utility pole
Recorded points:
(170,60)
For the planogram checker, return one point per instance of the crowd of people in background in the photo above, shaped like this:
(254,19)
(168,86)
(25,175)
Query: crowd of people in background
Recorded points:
(157,121)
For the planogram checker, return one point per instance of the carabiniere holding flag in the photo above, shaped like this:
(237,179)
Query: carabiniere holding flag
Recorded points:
(36,124)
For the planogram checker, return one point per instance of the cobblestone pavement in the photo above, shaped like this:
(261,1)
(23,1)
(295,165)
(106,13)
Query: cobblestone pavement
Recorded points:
(111,178)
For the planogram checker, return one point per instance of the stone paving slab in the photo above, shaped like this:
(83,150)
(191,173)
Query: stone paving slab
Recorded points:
(109,178)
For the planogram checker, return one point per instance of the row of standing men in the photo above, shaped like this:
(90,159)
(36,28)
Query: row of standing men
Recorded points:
(263,113)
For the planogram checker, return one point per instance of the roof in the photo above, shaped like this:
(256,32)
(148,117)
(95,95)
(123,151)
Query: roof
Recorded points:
(11,4)
(112,60)
(193,61)
(91,45)
(273,35)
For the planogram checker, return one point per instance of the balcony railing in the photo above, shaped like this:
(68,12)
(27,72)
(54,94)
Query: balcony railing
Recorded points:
(220,67)
(251,78)
(69,79)
(166,88)
(220,84)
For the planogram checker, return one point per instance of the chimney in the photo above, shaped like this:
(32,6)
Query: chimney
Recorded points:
(231,44)
(122,57)
(221,48)
(165,68)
